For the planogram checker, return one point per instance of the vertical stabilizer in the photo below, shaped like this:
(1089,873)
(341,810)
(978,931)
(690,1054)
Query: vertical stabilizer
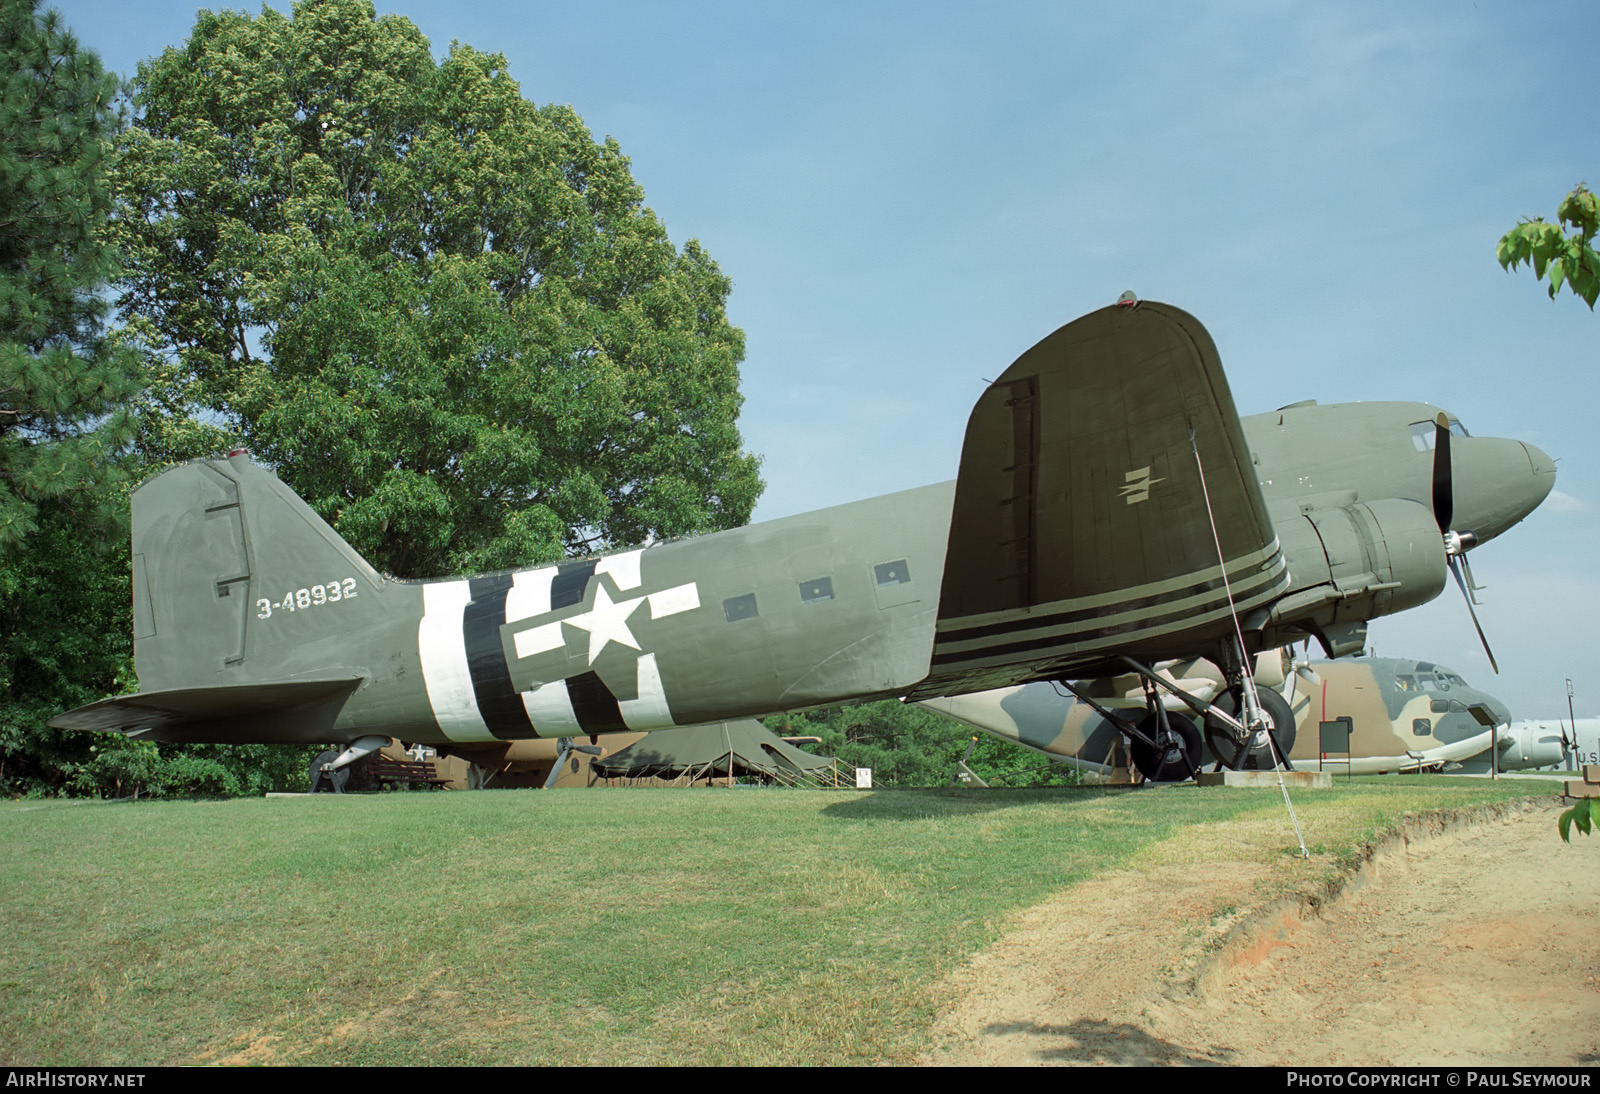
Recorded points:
(236,580)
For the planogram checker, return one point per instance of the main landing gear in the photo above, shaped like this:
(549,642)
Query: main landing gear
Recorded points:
(325,780)
(1236,750)
(1172,752)
(1247,727)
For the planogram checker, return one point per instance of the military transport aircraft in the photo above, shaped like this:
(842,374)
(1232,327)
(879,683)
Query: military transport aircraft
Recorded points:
(1110,511)
(1358,716)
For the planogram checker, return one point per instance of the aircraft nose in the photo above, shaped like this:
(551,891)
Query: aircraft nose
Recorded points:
(1497,483)
(1543,466)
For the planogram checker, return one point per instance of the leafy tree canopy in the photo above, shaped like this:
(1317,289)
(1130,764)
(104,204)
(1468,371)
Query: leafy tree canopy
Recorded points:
(441,312)
(63,387)
(910,746)
(1555,256)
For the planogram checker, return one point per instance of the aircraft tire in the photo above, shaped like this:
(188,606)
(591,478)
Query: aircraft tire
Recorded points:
(327,782)
(1179,760)
(1226,749)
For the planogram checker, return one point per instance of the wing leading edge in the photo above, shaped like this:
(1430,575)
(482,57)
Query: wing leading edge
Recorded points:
(1083,525)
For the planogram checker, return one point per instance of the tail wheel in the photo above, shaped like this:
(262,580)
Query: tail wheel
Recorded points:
(1224,741)
(324,781)
(1173,758)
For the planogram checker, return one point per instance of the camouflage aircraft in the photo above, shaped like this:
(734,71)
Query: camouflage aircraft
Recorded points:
(1110,511)
(1350,716)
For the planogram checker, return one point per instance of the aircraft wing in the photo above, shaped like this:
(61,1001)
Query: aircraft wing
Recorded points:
(1105,493)
(294,711)
(1452,752)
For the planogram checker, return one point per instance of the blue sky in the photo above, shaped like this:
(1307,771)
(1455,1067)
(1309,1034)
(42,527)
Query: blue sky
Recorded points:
(908,195)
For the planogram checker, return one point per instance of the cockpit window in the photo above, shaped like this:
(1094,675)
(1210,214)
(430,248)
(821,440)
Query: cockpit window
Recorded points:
(1406,683)
(1423,433)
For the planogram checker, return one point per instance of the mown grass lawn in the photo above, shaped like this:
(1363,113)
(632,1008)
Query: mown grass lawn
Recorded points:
(567,927)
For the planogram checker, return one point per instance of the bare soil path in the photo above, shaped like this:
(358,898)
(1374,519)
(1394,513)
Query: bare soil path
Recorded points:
(1467,941)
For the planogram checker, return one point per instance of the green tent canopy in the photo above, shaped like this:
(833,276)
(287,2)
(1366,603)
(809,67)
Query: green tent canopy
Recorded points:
(718,749)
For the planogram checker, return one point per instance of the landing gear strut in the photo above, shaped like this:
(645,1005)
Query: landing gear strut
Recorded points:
(324,781)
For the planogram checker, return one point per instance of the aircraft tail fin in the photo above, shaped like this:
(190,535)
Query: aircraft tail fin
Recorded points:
(237,581)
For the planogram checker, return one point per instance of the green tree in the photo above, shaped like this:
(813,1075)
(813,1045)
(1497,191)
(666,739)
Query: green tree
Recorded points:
(441,312)
(1560,258)
(63,386)
(910,746)
(66,622)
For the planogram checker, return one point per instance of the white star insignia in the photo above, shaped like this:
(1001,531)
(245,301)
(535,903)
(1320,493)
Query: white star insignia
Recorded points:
(606,621)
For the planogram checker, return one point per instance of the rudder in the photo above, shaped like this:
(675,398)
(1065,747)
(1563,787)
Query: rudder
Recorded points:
(225,556)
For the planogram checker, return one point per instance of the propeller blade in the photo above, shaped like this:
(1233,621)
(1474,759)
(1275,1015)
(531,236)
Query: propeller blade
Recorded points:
(1443,488)
(1456,570)
(563,750)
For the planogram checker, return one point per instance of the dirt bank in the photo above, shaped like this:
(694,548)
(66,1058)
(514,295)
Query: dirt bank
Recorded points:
(1465,940)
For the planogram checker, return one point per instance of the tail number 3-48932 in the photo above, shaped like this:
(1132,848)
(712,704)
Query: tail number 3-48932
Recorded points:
(301,599)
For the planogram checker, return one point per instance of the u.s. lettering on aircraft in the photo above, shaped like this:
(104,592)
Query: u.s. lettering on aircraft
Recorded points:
(1111,510)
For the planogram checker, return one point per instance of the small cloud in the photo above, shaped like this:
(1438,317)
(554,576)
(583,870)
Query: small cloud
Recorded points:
(1562,502)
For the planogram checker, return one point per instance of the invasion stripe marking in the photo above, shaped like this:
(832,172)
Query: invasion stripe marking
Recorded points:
(1096,637)
(1100,611)
(1148,628)
(650,710)
(593,704)
(498,703)
(623,568)
(1239,568)
(572,578)
(530,594)
(1065,624)
(549,708)
(445,673)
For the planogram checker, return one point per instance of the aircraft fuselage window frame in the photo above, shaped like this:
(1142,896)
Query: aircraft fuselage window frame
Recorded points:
(892,573)
(737,608)
(816,591)
(1422,727)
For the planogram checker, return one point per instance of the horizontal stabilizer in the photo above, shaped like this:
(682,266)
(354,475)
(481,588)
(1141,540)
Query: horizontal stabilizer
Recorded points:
(285,712)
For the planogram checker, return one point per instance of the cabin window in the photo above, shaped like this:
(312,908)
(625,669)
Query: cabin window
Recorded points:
(736,608)
(816,590)
(1422,727)
(892,573)
(1423,434)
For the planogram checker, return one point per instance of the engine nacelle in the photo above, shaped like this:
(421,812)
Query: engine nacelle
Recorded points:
(1352,563)
(1528,746)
